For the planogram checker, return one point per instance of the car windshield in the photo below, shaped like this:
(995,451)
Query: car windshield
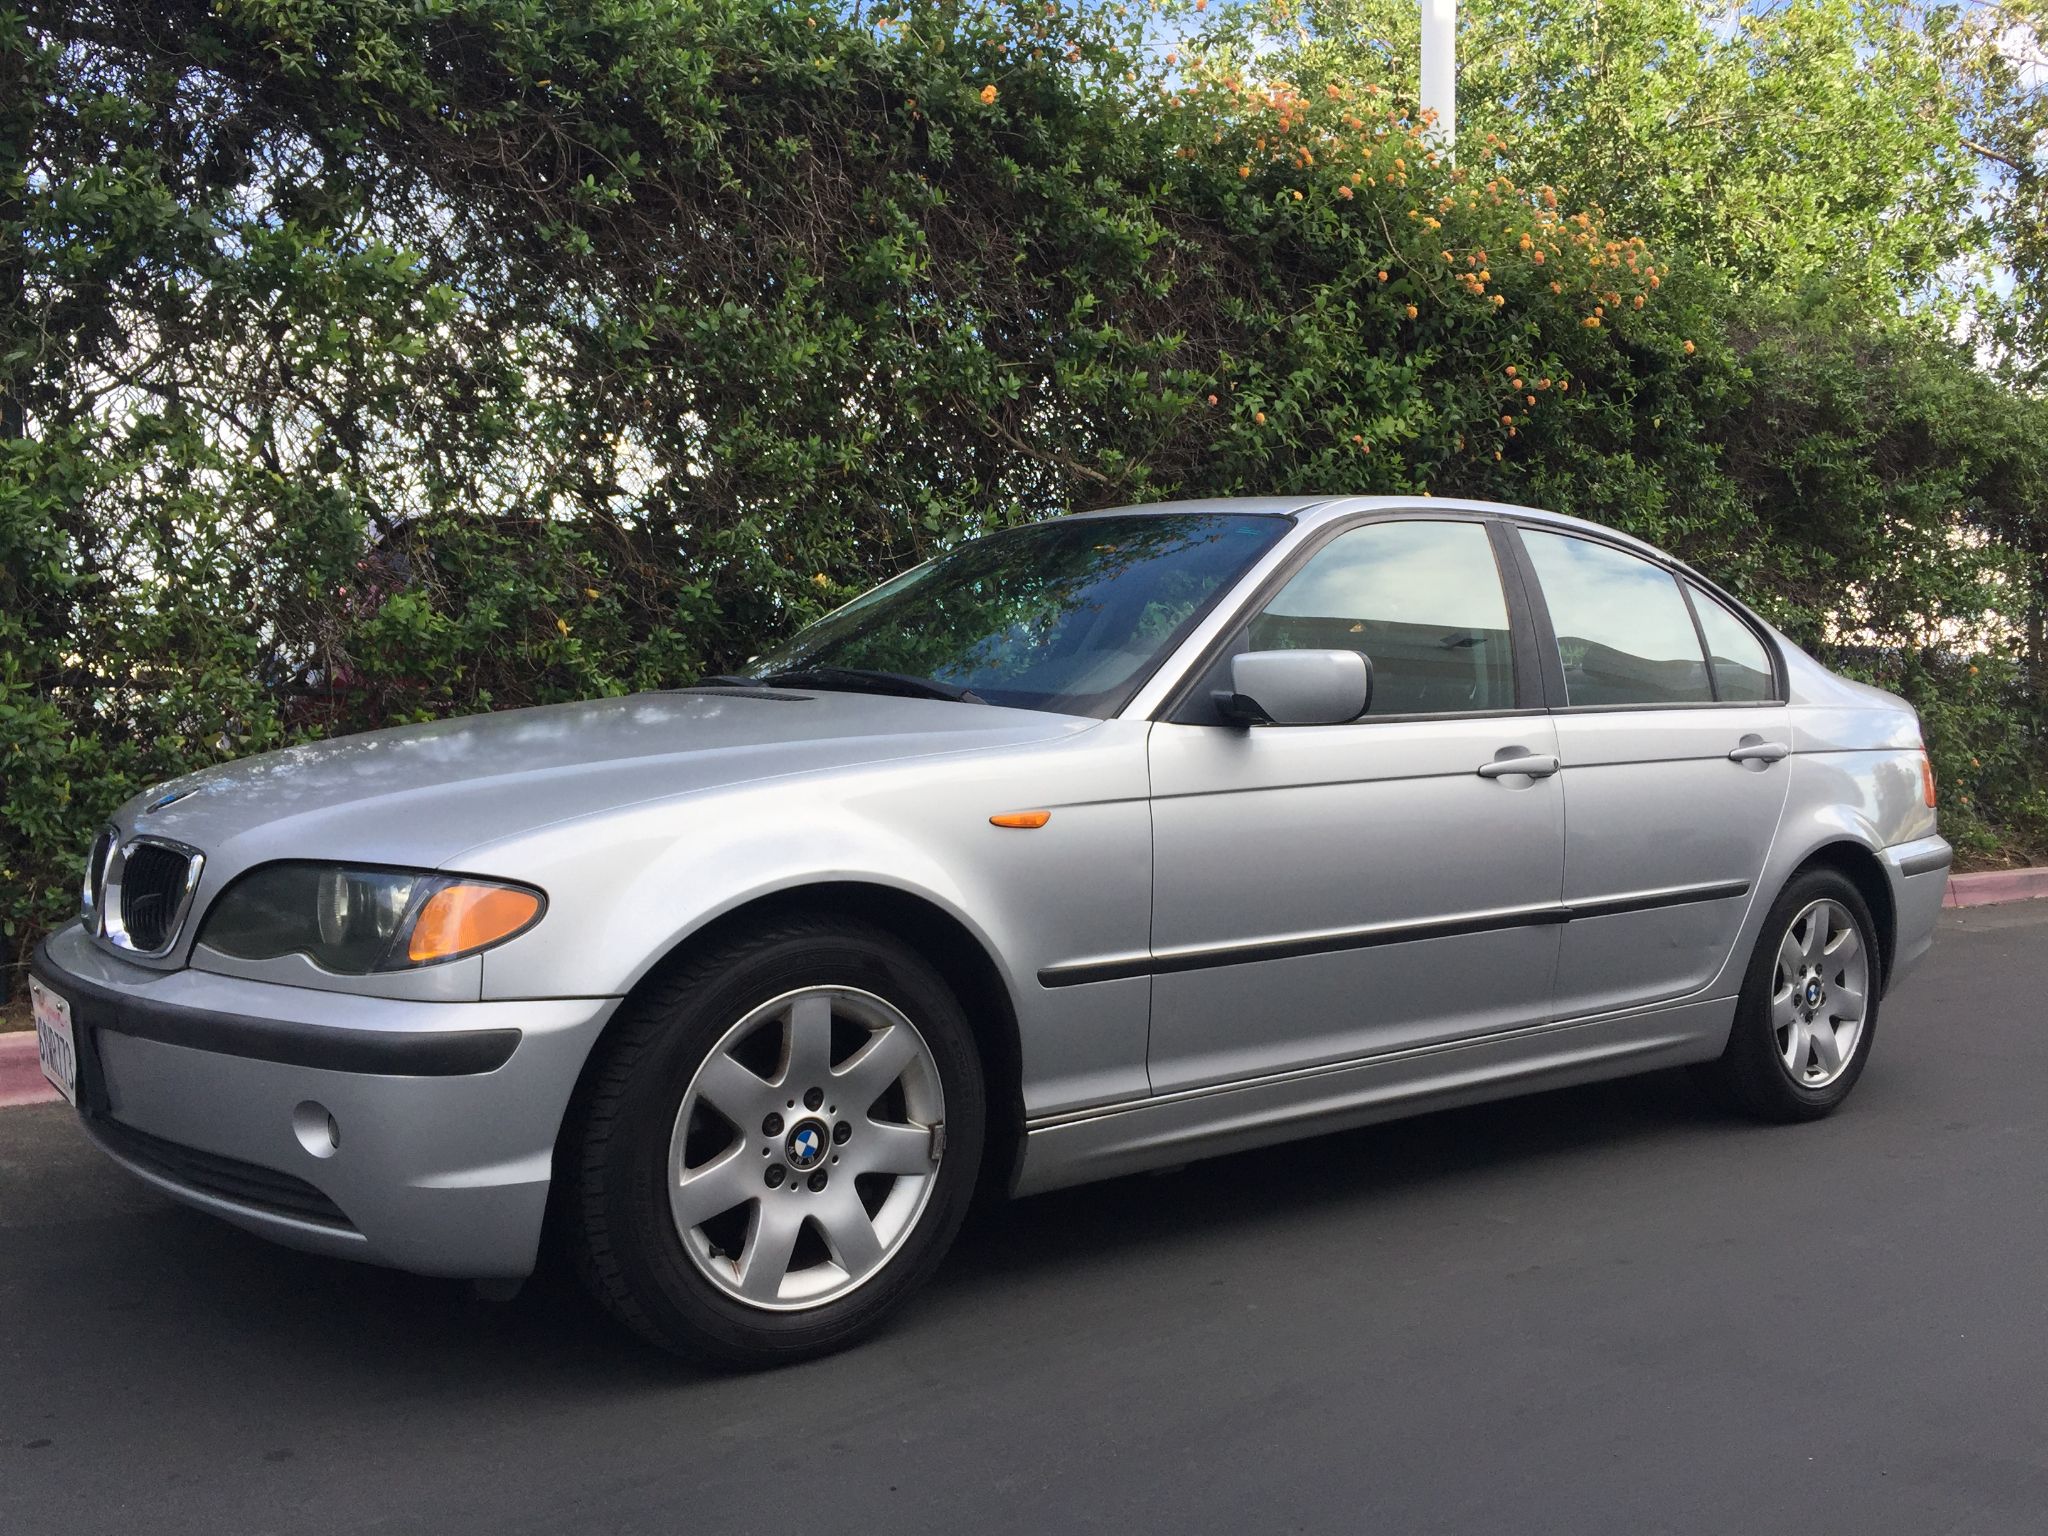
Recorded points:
(1069,616)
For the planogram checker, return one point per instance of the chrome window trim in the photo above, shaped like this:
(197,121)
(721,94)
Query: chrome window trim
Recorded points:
(112,930)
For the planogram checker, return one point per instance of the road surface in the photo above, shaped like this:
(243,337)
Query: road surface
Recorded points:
(1602,1310)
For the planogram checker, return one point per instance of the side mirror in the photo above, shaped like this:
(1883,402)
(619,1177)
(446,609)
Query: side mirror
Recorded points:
(1296,688)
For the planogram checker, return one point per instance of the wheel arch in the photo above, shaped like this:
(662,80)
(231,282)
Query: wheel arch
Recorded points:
(953,949)
(1862,868)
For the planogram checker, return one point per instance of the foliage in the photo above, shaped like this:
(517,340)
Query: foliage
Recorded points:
(372,360)
(1889,150)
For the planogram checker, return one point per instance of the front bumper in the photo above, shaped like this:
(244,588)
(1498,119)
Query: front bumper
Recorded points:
(219,1091)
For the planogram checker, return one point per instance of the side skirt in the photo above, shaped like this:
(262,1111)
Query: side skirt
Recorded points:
(1103,1143)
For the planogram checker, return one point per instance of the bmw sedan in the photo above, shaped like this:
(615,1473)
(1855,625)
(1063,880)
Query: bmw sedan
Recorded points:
(1091,846)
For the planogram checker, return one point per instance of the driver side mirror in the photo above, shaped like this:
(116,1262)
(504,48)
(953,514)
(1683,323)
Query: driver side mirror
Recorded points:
(1296,688)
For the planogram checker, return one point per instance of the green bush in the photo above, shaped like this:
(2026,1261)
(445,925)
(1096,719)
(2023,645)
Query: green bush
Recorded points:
(369,361)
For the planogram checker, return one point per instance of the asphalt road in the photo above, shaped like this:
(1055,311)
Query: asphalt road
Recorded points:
(1606,1309)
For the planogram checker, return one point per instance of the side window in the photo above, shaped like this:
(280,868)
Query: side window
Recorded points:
(1623,633)
(1421,600)
(1742,667)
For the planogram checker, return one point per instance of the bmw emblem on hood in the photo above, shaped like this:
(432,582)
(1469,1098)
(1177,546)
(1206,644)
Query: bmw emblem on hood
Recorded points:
(170,797)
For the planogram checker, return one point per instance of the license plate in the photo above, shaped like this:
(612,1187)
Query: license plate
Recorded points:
(54,1042)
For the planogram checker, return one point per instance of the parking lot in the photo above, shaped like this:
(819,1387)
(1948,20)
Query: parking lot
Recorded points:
(1605,1309)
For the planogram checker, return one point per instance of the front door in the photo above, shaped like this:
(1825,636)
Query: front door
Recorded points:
(1329,893)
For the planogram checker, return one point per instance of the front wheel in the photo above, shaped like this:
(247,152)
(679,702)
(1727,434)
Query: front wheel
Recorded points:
(1807,1016)
(776,1145)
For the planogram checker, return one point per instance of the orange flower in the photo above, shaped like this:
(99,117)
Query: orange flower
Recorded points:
(1507,421)
(1412,311)
(988,95)
(1592,322)
(1344,192)
(1258,418)
(1689,349)
(1244,170)
(1212,399)
(1383,276)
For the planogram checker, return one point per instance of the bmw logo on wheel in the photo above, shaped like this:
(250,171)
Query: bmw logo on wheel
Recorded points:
(807,1144)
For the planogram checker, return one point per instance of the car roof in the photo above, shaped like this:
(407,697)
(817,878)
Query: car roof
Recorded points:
(1312,511)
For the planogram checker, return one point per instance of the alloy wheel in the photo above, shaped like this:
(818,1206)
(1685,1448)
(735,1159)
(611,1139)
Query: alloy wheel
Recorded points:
(806,1148)
(1819,993)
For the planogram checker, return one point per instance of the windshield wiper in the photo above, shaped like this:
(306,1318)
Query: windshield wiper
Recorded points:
(868,680)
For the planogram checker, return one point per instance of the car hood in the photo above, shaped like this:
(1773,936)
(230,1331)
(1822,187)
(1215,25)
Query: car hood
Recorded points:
(420,795)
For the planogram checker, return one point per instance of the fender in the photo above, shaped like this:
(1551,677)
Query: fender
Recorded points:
(629,888)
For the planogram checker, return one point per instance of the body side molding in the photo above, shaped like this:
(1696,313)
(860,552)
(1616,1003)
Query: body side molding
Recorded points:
(1167,962)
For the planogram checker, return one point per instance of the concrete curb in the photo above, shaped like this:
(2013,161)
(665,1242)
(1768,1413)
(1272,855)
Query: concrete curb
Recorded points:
(21,1071)
(1995,885)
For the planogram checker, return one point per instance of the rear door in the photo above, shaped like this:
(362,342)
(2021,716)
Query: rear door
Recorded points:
(1673,773)
(1325,893)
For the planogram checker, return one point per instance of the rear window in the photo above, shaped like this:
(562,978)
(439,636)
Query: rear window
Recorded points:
(1623,633)
(1742,667)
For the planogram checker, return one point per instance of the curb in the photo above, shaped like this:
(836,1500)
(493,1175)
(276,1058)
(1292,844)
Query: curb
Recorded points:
(21,1072)
(1991,886)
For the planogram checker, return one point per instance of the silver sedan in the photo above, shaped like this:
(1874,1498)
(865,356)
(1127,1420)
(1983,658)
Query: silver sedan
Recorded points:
(1091,846)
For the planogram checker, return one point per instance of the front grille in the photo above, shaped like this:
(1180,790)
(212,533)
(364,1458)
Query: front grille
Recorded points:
(225,1178)
(96,874)
(154,881)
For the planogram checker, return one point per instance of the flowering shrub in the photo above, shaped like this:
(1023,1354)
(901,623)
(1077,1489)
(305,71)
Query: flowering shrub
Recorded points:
(377,360)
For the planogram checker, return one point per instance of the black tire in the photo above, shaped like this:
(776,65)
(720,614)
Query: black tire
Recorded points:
(616,1221)
(1751,1075)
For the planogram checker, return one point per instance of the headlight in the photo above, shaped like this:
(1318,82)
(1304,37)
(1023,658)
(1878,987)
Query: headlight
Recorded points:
(355,921)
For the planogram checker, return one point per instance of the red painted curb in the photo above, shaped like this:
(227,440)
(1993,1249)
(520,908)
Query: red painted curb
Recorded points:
(1995,885)
(21,1071)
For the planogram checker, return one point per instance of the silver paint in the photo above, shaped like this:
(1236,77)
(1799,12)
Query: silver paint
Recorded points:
(1169,846)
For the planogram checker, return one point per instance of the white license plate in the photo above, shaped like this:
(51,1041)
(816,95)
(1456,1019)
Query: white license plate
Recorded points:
(54,1042)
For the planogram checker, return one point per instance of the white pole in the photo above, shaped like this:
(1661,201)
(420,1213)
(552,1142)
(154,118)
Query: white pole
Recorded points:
(1440,70)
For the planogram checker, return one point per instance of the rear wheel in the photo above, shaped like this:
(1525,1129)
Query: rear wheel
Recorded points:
(1807,1016)
(776,1145)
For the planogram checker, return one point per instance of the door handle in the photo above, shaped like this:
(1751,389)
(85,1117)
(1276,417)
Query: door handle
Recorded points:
(1760,752)
(1535,767)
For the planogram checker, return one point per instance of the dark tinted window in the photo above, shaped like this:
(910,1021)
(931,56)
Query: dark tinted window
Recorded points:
(1069,616)
(1742,667)
(1623,632)
(1422,600)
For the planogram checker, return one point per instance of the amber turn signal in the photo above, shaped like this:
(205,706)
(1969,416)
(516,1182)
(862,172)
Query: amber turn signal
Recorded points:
(461,918)
(1927,778)
(1028,820)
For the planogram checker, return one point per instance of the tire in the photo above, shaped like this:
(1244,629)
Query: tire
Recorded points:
(1795,1005)
(857,1199)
